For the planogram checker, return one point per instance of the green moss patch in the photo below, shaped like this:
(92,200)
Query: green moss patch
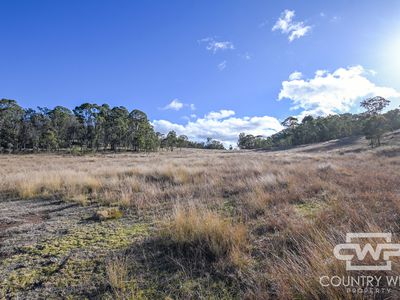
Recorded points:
(68,260)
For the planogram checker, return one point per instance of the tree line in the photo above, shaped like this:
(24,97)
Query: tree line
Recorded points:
(92,127)
(372,124)
(88,127)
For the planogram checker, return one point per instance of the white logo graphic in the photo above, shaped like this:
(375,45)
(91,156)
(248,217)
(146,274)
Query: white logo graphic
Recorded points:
(388,249)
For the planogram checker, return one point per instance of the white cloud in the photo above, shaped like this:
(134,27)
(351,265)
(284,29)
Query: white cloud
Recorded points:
(295,75)
(176,104)
(222,114)
(286,25)
(331,93)
(221,66)
(319,73)
(222,126)
(298,32)
(214,46)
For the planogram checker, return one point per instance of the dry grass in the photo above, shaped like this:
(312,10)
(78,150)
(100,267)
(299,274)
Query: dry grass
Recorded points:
(123,287)
(117,273)
(208,234)
(282,211)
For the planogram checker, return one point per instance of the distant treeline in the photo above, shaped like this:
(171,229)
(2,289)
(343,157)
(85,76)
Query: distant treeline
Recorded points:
(372,124)
(88,127)
(92,127)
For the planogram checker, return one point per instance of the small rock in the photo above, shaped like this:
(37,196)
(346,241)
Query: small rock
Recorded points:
(54,260)
(108,213)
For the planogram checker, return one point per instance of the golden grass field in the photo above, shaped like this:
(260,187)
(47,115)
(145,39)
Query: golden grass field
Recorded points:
(219,224)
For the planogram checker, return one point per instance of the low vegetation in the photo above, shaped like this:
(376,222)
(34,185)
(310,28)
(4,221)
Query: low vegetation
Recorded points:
(210,224)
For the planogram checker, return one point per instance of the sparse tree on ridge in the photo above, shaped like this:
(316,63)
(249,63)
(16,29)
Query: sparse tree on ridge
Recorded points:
(307,119)
(375,124)
(374,105)
(290,122)
(393,118)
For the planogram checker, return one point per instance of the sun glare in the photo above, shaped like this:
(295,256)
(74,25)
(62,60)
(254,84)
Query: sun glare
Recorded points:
(391,54)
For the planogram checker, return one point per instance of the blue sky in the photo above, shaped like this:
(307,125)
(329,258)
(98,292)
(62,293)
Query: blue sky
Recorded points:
(204,68)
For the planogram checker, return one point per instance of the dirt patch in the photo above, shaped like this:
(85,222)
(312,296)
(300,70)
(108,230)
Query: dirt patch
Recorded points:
(4,225)
(51,248)
(33,219)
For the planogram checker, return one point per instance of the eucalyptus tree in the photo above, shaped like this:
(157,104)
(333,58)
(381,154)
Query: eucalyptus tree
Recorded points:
(11,115)
(290,122)
(86,114)
(375,124)
(374,105)
(182,141)
(171,140)
(138,125)
(117,127)
(62,119)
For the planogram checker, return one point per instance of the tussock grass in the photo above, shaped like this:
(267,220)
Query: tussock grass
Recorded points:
(265,222)
(117,273)
(207,233)
(122,285)
(35,184)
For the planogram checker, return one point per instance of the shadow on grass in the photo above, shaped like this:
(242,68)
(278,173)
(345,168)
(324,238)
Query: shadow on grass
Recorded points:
(162,268)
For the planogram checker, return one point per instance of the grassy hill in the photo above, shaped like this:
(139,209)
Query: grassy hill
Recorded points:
(192,223)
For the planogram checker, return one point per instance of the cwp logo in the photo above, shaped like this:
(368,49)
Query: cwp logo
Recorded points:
(387,248)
